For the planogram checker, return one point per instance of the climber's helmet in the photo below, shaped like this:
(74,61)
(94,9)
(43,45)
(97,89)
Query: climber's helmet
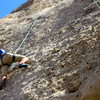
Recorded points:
(2,52)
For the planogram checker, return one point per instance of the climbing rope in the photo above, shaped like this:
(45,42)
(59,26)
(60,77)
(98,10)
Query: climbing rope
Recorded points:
(29,29)
(97,3)
(94,2)
(28,32)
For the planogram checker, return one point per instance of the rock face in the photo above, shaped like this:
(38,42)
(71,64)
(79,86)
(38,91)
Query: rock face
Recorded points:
(64,44)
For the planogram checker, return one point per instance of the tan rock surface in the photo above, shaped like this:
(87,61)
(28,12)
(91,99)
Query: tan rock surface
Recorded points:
(64,45)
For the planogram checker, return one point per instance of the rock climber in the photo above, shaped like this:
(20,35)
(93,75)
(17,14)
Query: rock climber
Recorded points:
(6,59)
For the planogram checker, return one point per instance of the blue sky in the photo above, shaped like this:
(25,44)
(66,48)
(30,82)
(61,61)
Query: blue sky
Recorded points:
(7,6)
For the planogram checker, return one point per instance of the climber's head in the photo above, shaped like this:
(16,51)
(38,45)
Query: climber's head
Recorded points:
(2,52)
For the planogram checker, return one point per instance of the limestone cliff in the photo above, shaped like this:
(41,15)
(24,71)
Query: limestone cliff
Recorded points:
(64,44)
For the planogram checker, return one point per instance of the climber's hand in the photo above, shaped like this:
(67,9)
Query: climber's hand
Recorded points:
(29,61)
(24,60)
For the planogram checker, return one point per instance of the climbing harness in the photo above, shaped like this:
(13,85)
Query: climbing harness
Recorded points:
(2,54)
(97,3)
(1,59)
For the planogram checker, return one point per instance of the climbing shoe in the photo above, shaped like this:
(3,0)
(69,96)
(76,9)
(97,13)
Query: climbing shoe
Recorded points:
(3,82)
(23,65)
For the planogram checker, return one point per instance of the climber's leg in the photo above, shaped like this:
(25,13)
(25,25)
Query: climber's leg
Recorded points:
(4,70)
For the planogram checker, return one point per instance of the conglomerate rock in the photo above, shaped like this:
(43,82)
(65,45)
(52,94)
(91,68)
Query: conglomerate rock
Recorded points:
(64,44)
